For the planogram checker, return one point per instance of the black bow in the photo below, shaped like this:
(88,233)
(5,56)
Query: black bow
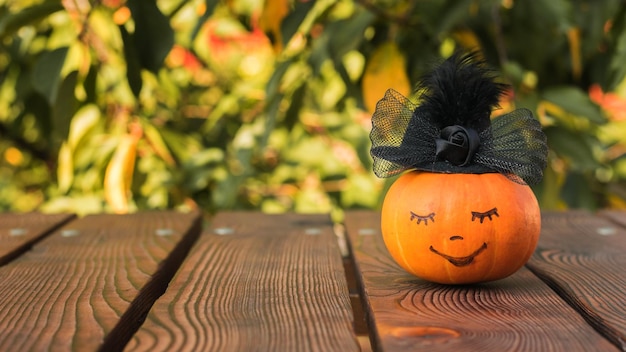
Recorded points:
(405,137)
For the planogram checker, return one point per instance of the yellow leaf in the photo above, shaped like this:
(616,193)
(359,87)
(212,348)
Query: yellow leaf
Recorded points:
(386,69)
(616,202)
(119,175)
(274,11)
(468,40)
(158,144)
(84,120)
(65,168)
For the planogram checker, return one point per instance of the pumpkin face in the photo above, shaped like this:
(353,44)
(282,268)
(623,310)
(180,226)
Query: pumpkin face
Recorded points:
(460,228)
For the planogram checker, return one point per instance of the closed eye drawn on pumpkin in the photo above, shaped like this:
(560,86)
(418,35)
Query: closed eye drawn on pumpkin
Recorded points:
(423,218)
(487,214)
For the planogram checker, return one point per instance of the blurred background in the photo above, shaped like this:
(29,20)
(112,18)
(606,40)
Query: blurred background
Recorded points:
(119,106)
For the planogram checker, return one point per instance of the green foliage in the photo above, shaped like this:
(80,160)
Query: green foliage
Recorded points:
(126,105)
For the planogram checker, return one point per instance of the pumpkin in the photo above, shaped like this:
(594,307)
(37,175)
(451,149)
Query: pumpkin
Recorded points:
(460,228)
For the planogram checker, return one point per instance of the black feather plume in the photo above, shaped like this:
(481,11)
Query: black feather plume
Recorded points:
(460,91)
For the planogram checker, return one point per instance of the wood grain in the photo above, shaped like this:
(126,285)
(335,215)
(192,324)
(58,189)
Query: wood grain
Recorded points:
(582,257)
(255,282)
(72,288)
(519,313)
(18,232)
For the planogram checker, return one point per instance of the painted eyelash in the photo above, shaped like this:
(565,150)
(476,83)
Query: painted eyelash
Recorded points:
(487,214)
(423,218)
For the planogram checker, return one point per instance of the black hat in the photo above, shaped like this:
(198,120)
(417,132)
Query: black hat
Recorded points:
(450,130)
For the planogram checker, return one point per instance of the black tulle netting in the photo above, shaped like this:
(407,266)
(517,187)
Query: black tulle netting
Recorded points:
(404,138)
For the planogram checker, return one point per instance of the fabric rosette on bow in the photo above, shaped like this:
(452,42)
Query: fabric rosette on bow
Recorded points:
(450,130)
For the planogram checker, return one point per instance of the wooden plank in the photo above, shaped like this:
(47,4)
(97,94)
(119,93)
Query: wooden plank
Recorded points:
(255,282)
(72,288)
(519,313)
(617,216)
(581,256)
(18,232)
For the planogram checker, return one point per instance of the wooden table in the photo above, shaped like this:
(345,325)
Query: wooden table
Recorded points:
(245,281)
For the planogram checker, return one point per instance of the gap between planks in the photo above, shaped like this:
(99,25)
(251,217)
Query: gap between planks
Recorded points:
(27,229)
(71,289)
(598,243)
(135,315)
(254,282)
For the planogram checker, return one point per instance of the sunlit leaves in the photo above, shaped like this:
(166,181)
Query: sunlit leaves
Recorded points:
(267,104)
(10,22)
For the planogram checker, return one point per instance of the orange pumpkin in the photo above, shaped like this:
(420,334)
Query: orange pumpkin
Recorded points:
(460,228)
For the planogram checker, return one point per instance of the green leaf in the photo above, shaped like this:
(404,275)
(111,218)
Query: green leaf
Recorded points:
(199,179)
(455,13)
(37,105)
(577,193)
(557,10)
(182,145)
(315,154)
(347,34)
(46,76)
(133,66)
(294,19)
(64,107)
(273,109)
(617,67)
(359,192)
(574,101)
(548,191)
(224,196)
(592,22)
(272,89)
(153,37)
(158,144)
(90,84)
(574,147)
(295,106)
(205,158)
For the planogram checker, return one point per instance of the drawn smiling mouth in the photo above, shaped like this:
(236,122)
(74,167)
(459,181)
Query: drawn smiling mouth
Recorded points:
(460,261)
